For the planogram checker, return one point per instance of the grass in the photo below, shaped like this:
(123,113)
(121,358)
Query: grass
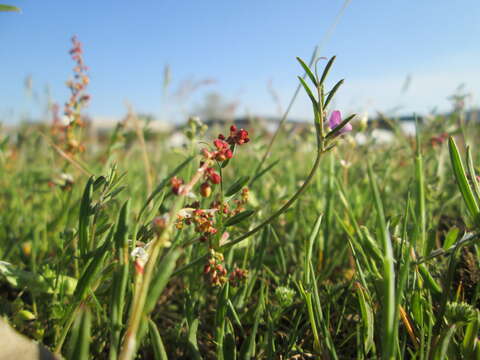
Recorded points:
(338,250)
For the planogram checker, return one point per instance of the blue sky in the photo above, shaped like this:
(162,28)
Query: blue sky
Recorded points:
(242,45)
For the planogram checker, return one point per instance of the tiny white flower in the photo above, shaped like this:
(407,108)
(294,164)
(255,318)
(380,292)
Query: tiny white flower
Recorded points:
(224,238)
(66,120)
(185,212)
(66,177)
(140,254)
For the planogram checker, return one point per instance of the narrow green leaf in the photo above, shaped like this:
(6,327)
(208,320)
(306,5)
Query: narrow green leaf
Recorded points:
(327,69)
(160,280)
(430,282)
(229,347)
(462,180)
(84,217)
(367,319)
(239,218)
(444,342)
(92,269)
(389,304)
(120,279)
(308,71)
(340,126)
(309,92)
(470,341)
(451,238)
(121,234)
(80,340)
(311,241)
(157,343)
(192,340)
(247,350)
(237,185)
(472,175)
(332,92)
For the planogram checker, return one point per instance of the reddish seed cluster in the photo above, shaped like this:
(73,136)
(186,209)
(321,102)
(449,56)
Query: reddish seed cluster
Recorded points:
(237,136)
(237,276)
(217,273)
(224,146)
(64,132)
(214,269)
(78,97)
(239,204)
(203,220)
(223,151)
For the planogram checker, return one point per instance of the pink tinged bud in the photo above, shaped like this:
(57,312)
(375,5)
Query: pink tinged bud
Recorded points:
(139,266)
(224,238)
(335,120)
(233,128)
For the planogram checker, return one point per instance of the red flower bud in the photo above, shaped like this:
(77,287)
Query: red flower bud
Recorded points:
(215,178)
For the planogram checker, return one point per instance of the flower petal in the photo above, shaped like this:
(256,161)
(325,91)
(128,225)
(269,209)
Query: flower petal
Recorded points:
(335,119)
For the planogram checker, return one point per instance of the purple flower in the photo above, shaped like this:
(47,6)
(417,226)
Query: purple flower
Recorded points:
(335,120)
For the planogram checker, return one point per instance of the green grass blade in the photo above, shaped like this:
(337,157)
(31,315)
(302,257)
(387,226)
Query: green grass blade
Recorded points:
(84,218)
(80,340)
(156,340)
(389,303)
(462,181)
(160,280)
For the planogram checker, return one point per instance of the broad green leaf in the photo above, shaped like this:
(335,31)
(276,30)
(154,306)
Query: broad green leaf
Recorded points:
(35,283)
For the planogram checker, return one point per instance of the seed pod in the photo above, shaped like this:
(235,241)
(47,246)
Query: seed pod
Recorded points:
(205,189)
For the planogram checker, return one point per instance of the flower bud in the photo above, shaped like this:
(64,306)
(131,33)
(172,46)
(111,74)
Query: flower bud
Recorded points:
(159,223)
(215,178)
(205,189)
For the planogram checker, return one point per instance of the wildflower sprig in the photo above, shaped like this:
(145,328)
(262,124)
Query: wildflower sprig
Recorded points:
(64,130)
(324,144)
(221,152)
